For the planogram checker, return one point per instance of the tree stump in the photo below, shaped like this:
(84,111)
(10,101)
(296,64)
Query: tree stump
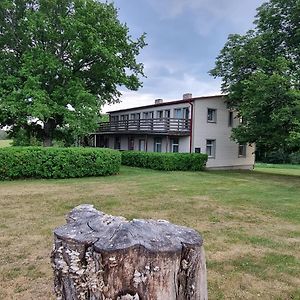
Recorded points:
(102,257)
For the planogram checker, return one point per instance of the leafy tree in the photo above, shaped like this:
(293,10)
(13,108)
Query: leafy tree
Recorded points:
(260,72)
(61,60)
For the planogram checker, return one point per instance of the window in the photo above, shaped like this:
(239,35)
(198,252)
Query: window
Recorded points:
(124,117)
(167,113)
(148,115)
(230,118)
(132,116)
(211,148)
(117,144)
(186,113)
(242,150)
(114,118)
(159,114)
(197,150)
(131,143)
(157,145)
(175,145)
(211,115)
(142,145)
(178,113)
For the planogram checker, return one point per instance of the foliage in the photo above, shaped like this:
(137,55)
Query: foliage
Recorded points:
(165,161)
(38,162)
(295,158)
(60,61)
(260,72)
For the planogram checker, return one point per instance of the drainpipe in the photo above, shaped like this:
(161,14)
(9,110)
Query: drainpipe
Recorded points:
(191,125)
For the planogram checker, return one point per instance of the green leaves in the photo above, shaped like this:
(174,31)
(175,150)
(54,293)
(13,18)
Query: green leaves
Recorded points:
(36,162)
(165,161)
(63,53)
(260,73)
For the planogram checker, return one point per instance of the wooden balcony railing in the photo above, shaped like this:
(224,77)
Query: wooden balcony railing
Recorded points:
(162,125)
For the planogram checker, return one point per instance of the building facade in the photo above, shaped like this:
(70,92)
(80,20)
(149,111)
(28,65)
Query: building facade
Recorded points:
(200,124)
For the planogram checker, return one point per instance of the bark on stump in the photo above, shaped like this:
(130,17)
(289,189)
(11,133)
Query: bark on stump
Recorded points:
(102,257)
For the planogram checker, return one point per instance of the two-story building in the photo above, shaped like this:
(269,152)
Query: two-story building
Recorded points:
(200,124)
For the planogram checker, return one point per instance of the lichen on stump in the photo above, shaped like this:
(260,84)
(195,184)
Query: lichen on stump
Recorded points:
(102,257)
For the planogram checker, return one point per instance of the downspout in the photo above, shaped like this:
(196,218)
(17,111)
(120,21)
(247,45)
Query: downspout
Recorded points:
(191,125)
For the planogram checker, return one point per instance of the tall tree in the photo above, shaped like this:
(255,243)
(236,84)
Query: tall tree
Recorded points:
(260,72)
(60,61)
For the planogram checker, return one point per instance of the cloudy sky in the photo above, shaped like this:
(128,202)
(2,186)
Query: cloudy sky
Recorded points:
(184,37)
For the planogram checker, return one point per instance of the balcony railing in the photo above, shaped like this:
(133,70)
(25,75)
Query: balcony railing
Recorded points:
(161,125)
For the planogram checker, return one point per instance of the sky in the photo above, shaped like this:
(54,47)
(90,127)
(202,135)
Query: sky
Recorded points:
(184,38)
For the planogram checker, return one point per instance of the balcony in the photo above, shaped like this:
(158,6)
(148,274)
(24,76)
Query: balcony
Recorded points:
(162,126)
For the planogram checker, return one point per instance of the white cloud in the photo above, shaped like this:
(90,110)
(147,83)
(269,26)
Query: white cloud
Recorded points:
(169,89)
(207,14)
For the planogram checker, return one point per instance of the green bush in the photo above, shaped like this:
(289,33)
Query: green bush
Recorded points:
(165,161)
(295,158)
(38,162)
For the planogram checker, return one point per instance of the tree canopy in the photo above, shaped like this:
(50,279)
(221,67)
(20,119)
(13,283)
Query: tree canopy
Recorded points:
(260,72)
(61,60)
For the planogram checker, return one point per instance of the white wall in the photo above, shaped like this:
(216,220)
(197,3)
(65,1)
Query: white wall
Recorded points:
(226,149)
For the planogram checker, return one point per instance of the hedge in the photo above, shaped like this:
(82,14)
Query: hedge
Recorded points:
(38,162)
(165,161)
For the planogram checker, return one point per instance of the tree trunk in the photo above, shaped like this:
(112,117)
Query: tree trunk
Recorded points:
(101,257)
(49,127)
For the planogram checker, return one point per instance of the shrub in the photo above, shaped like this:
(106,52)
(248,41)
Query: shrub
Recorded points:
(38,162)
(165,161)
(295,158)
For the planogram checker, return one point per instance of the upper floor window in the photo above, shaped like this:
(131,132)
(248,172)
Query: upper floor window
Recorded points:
(230,118)
(242,150)
(178,113)
(211,148)
(124,117)
(159,114)
(114,118)
(148,115)
(211,115)
(132,116)
(167,113)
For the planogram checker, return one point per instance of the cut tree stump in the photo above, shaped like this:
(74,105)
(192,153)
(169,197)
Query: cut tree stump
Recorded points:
(102,257)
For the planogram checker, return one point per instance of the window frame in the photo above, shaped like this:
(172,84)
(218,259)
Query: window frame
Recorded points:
(157,141)
(213,147)
(242,153)
(174,144)
(214,119)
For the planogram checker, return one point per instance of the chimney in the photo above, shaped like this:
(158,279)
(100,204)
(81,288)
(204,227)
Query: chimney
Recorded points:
(187,96)
(158,101)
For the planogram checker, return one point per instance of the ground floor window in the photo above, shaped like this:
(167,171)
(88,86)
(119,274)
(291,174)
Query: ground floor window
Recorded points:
(142,145)
(117,144)
(242,150)
(211,148)
(175,145)
(131,143)
(157,145)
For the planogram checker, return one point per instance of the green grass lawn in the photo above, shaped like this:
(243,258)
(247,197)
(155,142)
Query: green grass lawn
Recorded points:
(283,169)
(5,143)
(250,222)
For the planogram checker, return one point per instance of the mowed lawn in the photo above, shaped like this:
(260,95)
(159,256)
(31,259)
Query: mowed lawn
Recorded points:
(250,222)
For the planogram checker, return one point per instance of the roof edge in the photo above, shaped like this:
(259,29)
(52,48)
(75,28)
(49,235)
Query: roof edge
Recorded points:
(167,103)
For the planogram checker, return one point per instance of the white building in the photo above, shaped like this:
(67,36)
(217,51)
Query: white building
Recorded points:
(200,124)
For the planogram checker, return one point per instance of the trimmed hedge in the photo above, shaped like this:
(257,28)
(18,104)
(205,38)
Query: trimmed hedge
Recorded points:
(38,162)
(165,161)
